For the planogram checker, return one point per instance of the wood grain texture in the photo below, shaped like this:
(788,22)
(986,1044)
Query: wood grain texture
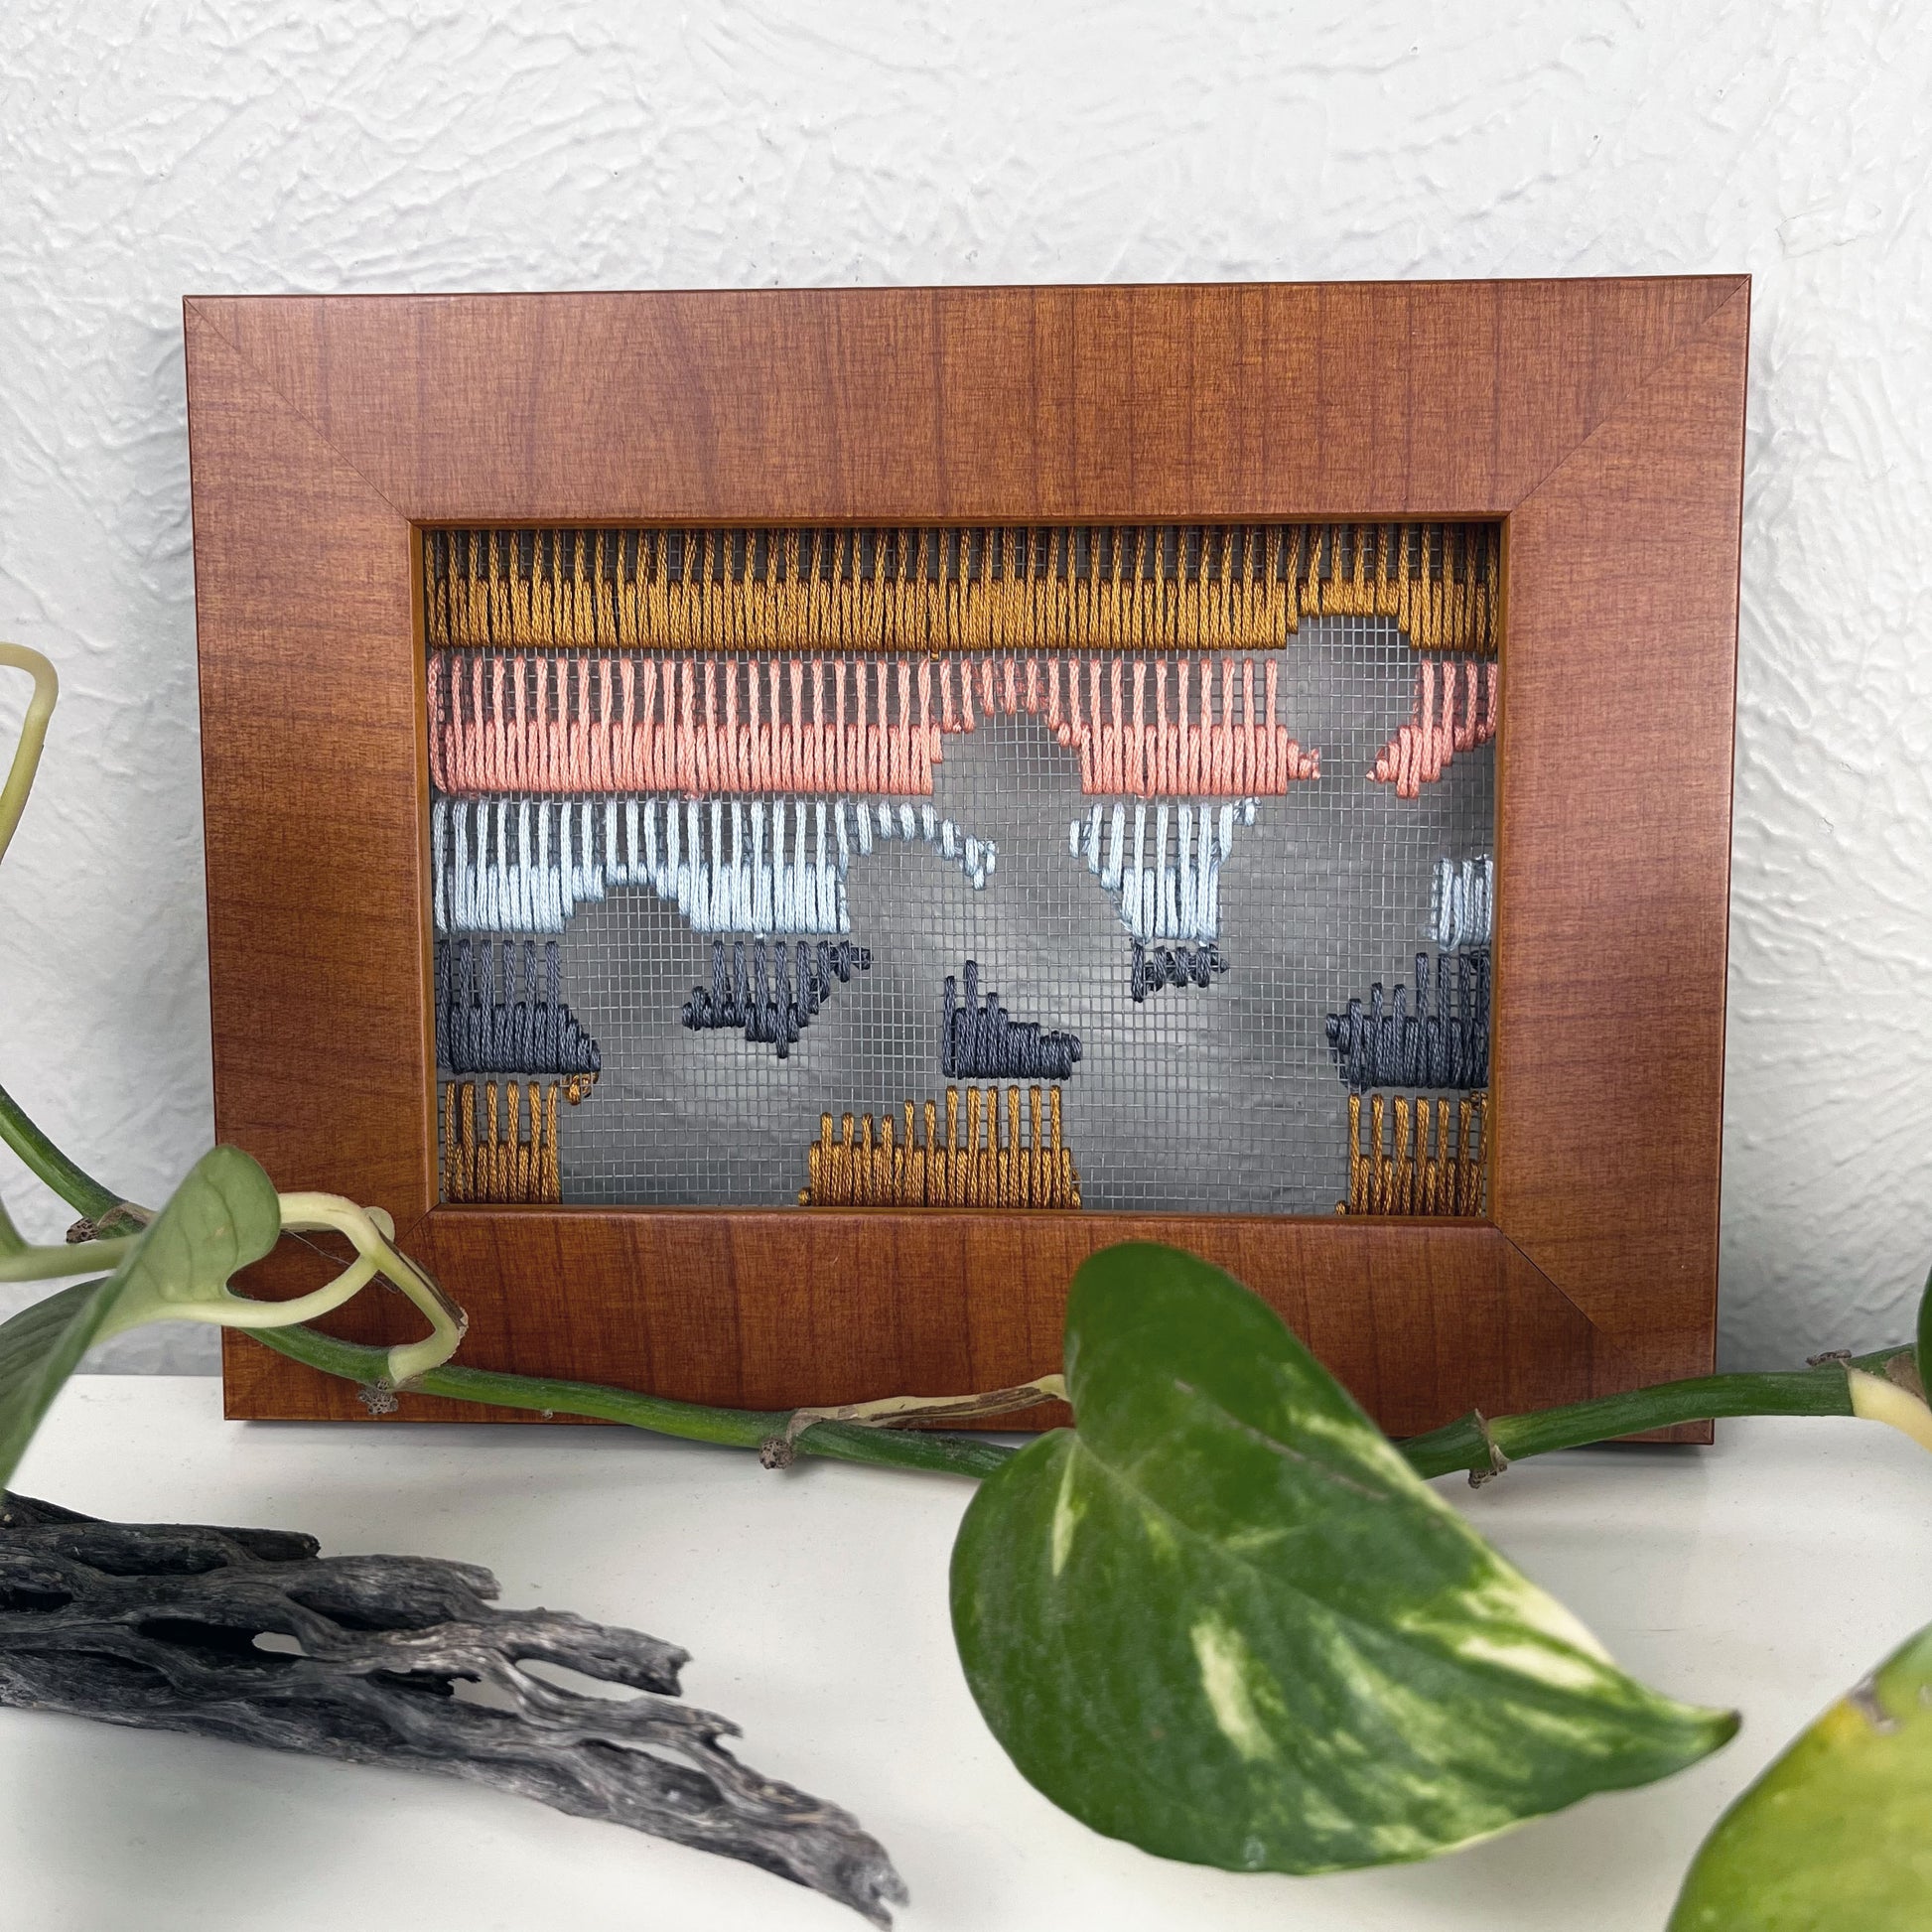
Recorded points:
(1420,1320)
(1369,399)
(1603,419)
(312,777)
(1614,860)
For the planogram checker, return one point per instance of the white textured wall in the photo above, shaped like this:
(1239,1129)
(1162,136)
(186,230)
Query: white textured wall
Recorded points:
(153,147)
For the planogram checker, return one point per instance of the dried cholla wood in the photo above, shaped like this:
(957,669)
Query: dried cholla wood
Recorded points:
(155,1626)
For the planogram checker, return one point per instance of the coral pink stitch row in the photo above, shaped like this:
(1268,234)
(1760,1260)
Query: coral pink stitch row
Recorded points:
(578,724)
(575,725)
(1136,745)
(1417,754)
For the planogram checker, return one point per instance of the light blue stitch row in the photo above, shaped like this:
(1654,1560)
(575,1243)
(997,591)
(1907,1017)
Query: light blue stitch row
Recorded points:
(1462,904)
(525,865)
(1157,899)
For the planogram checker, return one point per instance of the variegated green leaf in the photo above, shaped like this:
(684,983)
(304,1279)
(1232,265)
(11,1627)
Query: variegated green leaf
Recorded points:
(39,1349)
(1222,1619)
(223,1216)
(1835,1835)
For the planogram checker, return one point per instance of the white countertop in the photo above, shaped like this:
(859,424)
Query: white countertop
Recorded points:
(1769,1573)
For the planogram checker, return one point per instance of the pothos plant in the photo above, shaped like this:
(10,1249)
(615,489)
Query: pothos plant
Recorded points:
(1222,1616)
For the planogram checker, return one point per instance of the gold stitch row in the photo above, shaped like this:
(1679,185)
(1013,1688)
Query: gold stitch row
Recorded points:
(1425,1168)
(1157,586)
(487,1151)
(867,1168)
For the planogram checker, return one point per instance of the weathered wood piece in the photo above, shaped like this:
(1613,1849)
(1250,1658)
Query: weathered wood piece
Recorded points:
(156,1626)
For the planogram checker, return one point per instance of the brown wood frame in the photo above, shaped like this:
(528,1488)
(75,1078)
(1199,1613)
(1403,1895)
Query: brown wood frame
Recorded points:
(1603,419)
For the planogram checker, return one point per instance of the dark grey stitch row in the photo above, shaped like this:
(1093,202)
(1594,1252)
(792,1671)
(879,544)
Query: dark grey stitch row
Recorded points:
(1174,966)
(1391,1043)
(981,1042)
(491,1019)
(773,1010)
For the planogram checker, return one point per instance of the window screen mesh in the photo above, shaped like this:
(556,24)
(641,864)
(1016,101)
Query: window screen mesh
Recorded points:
(1141,853)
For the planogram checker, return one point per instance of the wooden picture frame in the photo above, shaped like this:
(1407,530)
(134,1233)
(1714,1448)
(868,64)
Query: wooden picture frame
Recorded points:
(1601,420)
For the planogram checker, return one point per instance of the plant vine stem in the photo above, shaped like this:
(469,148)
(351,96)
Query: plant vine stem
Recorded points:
(1463,1445)
(74,1184)
(1469,1443)
(693,1422)
(18,781)
(1466,1443)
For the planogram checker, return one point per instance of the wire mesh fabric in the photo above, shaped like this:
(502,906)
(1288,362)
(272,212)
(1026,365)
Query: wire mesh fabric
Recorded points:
(1165,861)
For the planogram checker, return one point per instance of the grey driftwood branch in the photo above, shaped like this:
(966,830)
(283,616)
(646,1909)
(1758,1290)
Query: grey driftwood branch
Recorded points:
(154,1625)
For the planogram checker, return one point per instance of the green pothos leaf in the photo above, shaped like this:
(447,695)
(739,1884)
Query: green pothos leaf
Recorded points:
(1834,1833)
(1223,1619)
(223,1216)
(39,1348)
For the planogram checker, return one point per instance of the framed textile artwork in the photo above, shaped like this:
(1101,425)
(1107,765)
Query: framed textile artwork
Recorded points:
(763,827)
